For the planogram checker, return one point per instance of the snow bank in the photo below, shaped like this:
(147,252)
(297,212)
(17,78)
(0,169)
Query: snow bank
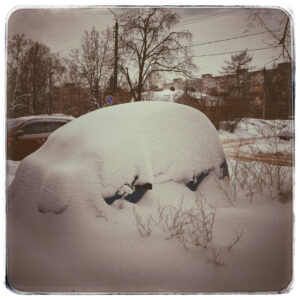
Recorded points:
(248,128)
(86,249)
(261,136)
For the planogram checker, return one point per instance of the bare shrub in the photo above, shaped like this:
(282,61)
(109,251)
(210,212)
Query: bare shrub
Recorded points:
(253,171)
(231,125)
(235,240)
(273,169)
(250,179)
(215,257)
(256,180)
(144,227)
(231,188)
(192,226)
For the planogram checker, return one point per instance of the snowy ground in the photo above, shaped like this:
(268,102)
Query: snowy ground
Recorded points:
(164,95)
(151,246)
(259,140)
(255,128)
(168,95)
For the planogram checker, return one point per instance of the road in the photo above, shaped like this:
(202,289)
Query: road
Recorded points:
(232,150)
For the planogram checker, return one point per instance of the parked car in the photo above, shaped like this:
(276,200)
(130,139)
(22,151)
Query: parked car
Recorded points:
(27,134)
(123,151)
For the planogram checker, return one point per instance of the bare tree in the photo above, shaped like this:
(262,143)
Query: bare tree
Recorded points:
(235,96)
(237,68)
(30,76)
(149,46)
(91,64)
(55,69)
(15,50)
(278,28)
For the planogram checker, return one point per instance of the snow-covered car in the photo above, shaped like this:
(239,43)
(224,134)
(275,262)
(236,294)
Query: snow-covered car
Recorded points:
(121,151)
(27,134)
(57,201)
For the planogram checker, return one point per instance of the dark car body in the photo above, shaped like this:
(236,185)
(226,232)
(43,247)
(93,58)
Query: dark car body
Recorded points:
(27,134)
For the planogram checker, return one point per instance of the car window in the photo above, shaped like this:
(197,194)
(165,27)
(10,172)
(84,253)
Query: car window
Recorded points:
(35,127)
(53,125)
(12,124)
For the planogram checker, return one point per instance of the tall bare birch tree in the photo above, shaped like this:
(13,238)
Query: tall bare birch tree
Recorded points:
(149,44)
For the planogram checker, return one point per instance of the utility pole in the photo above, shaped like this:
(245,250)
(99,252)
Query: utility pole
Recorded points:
(264,95)
(116,36)
(50,85)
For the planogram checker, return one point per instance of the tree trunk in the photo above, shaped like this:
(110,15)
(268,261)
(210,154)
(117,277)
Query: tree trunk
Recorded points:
(139,94)
(140,84)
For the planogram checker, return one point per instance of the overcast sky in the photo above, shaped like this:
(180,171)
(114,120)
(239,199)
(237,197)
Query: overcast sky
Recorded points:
(61,30)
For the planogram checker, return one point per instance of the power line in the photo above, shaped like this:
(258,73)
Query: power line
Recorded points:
(207,43)
(223,53)
(223,40)
(232,38)
(231,52)
(216,41)
(201,18)
(188,22)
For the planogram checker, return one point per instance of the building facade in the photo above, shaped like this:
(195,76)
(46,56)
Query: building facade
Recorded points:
(270,90)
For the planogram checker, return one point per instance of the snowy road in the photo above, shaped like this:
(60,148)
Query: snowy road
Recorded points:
(233,149)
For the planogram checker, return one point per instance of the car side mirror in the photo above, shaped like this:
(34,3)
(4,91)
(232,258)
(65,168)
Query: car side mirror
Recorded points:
(18,133)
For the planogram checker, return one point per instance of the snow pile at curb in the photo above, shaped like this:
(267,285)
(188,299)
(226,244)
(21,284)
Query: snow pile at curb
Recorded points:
(249,127)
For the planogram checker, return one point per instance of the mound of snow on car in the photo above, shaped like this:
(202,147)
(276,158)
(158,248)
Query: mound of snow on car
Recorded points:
(58,190)
(107,153)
